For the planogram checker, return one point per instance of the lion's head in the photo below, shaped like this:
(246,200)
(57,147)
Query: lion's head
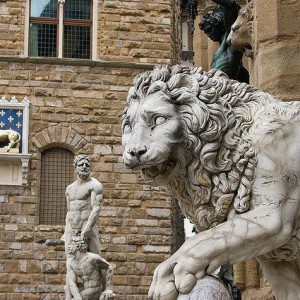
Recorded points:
(241,34)
(187,129)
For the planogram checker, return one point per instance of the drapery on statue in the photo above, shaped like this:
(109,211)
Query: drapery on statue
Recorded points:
(230,154)
(94,273)
(11,137)
(217,25)
(84,197)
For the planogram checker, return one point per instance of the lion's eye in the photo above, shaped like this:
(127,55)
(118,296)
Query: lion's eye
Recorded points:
(160,120)
(126,128)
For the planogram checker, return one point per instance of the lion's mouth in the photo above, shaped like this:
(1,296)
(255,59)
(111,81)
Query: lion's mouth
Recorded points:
(159,171)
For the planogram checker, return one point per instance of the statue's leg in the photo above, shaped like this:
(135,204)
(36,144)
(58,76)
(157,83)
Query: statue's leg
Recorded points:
(91,293)
(94,241)
(68,293)
(284,277)
(67,238)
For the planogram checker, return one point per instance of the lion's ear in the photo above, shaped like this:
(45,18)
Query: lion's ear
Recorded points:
(184,81)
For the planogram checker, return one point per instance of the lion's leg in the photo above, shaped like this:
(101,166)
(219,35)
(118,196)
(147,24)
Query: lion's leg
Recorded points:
(284,277)
(13,140)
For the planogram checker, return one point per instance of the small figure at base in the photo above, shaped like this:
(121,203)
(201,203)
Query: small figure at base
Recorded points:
(89,276)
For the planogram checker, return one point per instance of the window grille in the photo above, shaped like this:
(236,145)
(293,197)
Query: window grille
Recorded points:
(57,172)
(76,42)
(60,30)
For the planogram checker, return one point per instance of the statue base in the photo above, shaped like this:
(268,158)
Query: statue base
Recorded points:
(11,150)
(207,288)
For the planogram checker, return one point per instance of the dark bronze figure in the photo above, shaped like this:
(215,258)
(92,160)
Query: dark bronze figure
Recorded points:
(217,26)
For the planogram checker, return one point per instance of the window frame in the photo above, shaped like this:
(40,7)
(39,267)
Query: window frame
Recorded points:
(60,21)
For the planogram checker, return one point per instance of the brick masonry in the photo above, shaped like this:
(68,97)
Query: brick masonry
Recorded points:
(77,105)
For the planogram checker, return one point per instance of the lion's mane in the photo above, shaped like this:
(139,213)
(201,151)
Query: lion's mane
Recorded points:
(217,114)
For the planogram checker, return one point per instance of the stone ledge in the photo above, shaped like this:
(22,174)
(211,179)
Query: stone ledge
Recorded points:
(75,62)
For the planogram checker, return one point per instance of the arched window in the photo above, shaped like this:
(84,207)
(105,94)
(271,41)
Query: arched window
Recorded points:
(57,172)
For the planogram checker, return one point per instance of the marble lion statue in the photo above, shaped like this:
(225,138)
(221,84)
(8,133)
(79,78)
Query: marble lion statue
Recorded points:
(229,153)
(11,137)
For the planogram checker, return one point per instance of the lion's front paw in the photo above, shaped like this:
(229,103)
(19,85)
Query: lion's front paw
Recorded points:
(163,283)
(171,278)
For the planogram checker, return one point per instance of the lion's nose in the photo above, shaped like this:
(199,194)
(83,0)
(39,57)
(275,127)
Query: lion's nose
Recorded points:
(137,151)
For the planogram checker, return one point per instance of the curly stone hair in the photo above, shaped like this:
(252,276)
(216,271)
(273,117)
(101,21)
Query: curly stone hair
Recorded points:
(80,244)
(79,158)
(218,116)
(213,23)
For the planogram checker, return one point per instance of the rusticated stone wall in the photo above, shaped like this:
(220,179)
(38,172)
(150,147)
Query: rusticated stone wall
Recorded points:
(276,63)
(132,31)
(78,105)
(11,24)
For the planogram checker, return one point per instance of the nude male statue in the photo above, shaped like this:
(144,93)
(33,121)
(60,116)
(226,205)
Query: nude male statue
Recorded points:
(94,273)
(84,197)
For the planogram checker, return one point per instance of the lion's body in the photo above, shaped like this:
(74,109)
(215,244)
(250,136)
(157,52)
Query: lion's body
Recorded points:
(235,152)
(11,137)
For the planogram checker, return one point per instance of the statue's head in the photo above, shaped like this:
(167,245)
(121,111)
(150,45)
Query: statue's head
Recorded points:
(241,34)
(179,129)
(213,24)
(77,244)
(82,164)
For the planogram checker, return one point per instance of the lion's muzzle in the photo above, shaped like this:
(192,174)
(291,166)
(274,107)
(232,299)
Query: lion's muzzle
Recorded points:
(133,156)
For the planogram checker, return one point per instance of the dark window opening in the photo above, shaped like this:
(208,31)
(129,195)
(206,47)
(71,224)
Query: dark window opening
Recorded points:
(57,172)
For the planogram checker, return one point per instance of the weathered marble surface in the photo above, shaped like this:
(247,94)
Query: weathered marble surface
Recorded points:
(84,197)
(230,154)
(207,288)
(89,276)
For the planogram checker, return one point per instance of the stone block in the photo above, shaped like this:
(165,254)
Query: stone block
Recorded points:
(6,288)
(157,249)
(38,278)
(54,279)
(6,254)
(277,68)
(119,240)
(16,246)
(12,227)
(148,223)
(24,236)
(31,297)
(50,267)
(3,278)
(19,278)
(137,239)
(159,213)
